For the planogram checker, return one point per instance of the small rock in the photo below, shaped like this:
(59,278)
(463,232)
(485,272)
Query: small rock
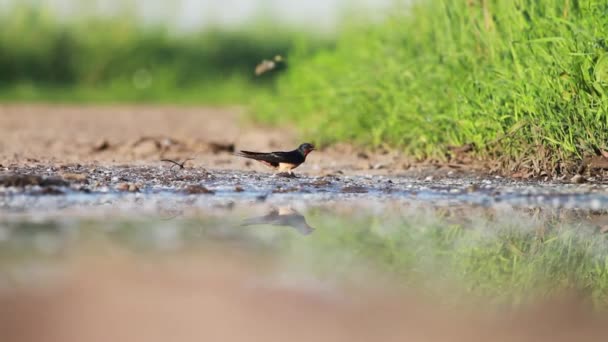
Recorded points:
(238,189)
(101,145)
(280,190)
(83,189)
(578,179)
(15,180)
(127,187)
(354,189)
(122,187)
(18,180)
(285,175)
(216,147)
(320,182)
(197,190)
(73,177)
(362,155)
(50,191)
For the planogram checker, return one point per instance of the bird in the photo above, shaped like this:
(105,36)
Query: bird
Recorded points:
(283,162)
(267,65)
(283,216)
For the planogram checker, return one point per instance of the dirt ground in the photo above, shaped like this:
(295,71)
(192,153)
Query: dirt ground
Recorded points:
(220,298)
(140,135)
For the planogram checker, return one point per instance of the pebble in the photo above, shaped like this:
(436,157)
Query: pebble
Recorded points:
(578,179)
(127,187)
(74,177)
(197,189)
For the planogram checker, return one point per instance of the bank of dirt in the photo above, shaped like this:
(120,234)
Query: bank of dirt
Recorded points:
(204,137)
(144,135)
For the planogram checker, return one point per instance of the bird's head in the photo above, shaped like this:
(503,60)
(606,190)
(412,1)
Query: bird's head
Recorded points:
(306,148)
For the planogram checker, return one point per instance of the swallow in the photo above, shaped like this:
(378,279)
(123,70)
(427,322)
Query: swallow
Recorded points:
(267,65)
(281,161)
(284,216)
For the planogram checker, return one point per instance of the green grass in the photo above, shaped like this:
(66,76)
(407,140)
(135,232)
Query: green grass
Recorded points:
(526,81)
(120,59)
(234,90)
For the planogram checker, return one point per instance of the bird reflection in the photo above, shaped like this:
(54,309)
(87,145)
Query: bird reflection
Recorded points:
(283,216)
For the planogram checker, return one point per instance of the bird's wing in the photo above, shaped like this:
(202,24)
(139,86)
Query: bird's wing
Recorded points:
(271,157)
(266,219)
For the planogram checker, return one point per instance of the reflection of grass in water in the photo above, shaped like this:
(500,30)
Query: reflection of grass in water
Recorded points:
(506,256)
(510,258)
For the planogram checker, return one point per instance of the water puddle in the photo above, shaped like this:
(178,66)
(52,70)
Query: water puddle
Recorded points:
(475,235)
(217,245)
(424,245)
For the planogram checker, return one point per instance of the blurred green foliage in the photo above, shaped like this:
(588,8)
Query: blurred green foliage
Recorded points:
(94,58)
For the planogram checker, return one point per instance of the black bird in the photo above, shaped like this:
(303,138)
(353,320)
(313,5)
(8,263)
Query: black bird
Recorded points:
(284,216)
(281,161)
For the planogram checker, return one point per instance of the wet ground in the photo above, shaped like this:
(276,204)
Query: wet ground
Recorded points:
(168,260)
(95,227)
(41,188)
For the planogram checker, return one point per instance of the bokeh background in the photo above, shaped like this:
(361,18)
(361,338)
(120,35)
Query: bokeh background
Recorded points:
(193,51)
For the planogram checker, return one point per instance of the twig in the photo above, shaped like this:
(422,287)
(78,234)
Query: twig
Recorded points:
(175,163)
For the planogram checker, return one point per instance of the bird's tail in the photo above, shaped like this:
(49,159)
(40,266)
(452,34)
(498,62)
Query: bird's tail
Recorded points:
(250,155)
(254,221)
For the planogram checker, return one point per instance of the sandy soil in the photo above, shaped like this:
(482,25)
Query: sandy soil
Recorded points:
(52,135)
